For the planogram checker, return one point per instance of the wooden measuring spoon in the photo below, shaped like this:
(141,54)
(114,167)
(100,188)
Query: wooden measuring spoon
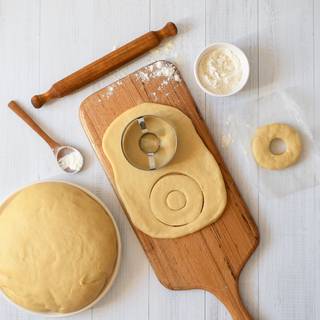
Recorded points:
(104,65)
(58,150)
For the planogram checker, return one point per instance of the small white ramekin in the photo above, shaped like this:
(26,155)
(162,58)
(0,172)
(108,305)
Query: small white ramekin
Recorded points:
(243,61)
(115,271)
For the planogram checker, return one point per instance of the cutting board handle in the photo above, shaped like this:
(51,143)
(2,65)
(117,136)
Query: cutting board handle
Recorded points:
(232,301)
(104,65)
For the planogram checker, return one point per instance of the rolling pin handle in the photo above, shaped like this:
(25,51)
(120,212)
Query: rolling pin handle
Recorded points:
(169,30)
(39,100)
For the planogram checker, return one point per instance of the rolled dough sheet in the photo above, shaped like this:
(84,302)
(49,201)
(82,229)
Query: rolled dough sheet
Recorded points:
(182,197)
(58,248)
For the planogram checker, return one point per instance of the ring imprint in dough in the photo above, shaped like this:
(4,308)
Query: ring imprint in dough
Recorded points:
(264,137)
(176,199)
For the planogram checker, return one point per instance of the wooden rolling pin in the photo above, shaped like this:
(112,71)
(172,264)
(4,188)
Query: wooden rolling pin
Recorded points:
(107,63)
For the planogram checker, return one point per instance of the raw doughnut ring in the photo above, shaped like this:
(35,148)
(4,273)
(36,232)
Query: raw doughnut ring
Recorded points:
(176,199)
(261,146)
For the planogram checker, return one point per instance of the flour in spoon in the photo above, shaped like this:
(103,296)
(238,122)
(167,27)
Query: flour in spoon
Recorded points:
(72,161)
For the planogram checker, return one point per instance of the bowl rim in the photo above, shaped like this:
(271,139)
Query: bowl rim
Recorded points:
(244,63)
(107,287)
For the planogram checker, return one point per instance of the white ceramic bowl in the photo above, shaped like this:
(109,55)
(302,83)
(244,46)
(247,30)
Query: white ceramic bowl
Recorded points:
(243,61)
(115,271)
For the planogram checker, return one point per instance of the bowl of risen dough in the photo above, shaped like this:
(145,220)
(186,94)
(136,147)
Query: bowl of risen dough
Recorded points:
(59,249)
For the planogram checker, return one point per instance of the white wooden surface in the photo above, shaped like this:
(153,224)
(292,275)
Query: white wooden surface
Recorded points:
(42,41)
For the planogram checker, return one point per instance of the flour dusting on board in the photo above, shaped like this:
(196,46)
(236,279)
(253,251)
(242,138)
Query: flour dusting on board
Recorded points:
(108,91)
(170,74)
(159,69)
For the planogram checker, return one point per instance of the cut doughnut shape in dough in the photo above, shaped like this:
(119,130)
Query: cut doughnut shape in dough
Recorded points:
(182,197)
(176,200)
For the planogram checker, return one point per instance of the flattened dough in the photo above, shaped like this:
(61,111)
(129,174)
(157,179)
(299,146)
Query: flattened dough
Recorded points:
(178,199)
(58,248)
(261,146)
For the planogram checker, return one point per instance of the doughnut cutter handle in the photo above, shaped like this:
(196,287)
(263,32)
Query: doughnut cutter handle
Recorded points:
(150,144)
(150,152)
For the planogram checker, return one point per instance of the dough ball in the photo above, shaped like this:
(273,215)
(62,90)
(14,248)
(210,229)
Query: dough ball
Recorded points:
(58,248)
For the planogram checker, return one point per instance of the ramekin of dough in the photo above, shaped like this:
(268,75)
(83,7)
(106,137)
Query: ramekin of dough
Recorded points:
(115,271)
(243,61)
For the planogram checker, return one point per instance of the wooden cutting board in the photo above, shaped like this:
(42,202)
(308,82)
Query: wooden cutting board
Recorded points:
(209,259)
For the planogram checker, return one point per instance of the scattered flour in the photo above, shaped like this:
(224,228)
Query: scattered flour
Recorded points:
(72,161)
(159,69)
(108,91)
(226,140)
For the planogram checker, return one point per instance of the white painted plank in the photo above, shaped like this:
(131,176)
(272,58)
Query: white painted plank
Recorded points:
(19,69)
(313,236)
(65,45)
(286,225)
(316,85)
(235,22)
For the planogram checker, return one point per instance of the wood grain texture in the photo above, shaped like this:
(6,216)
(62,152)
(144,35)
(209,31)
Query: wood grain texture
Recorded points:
(288,236)
(211,258)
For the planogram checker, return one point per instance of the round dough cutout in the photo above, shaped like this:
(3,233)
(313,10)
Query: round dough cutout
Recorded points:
(176,199)
(58,248)
(262,141)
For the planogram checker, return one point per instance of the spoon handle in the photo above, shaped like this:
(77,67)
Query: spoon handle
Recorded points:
(27,119)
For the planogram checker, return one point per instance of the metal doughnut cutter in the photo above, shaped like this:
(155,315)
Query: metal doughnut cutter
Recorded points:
(149,142)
